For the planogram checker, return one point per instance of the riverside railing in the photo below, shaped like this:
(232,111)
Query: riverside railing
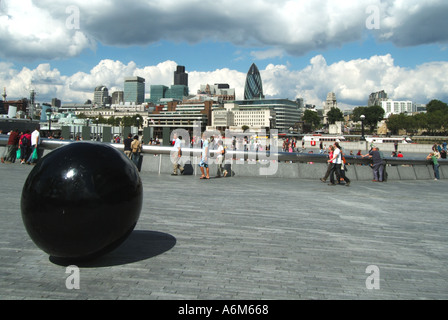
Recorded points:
(239,155)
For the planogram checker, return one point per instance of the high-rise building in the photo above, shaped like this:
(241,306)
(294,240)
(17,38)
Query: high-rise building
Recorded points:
(254,86)
(56,103)
(100,96)
(330,103)
(180,76)
(376,98)
(134,90)
(176,92)
(396,107)
(117,97)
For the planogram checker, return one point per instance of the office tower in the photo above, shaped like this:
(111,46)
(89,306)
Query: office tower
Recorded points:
(254,87)
(117,97)
(100,96)
(376,98)
(329,104)
(134,90)
(56,103)
(180,77)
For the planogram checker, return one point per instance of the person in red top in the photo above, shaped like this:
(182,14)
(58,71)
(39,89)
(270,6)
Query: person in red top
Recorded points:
(400,155)
(330,155)
(25,146)
(13,145)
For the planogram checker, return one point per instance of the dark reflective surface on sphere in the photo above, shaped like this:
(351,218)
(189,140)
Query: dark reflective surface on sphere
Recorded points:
(81,201)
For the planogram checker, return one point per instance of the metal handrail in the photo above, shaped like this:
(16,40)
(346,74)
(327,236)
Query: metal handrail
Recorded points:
(51,144)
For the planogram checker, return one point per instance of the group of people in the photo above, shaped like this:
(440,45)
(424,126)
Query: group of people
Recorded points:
(206,142)
(336,166)
(133,148)
(23,146)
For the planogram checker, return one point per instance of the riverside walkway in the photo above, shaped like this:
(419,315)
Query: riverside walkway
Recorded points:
(249,238)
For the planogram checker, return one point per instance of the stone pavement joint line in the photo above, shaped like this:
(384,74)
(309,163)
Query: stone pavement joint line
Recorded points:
(247,238)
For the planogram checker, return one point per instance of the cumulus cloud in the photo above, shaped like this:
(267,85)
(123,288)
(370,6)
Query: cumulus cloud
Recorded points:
(352,81)
(28,32)
(47,29)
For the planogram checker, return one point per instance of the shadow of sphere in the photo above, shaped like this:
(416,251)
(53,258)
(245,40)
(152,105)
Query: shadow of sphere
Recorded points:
(140,245)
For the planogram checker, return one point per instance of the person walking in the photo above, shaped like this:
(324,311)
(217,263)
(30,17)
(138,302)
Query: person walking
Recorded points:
(35,143)
(435,165)
(136,148)
(176,156)
(330,165)
(205,170)
(336,162)
(343,167)
(127,146)
(220,160)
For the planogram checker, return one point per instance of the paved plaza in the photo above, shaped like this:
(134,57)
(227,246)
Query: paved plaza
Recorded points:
(249,239)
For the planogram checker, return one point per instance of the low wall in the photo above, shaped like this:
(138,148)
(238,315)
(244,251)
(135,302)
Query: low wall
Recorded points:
(273,169)
(161,164)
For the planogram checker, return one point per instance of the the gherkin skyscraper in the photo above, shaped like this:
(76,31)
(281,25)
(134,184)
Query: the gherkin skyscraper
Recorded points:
(254,87)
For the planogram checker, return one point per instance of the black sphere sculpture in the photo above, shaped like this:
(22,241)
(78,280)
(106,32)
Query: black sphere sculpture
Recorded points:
(81,201)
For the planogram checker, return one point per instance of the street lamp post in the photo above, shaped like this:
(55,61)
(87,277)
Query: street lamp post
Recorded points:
(363,138)
(138,124)
(49,123)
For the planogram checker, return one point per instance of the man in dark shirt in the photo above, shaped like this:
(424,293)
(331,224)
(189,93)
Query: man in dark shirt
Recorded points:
(378,164)
(127,146)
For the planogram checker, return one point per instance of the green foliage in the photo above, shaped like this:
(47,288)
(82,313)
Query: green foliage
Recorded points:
(435,106)
(334,115)
(312,118)
(436,119)
(373,115)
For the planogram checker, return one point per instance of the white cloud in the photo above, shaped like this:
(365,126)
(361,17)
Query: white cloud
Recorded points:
(267,54)
(40,29)
(352,81)
(29,32)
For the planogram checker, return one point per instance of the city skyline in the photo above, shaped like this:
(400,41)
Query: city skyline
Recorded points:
(303,49)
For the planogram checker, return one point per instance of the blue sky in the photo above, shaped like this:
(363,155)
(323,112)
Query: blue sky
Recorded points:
(303,48)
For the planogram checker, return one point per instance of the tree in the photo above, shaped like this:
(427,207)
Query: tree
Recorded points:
(334,115)
(373,115)
(395,123)
(421,121)
(436,105)
(312,118)
(435,120)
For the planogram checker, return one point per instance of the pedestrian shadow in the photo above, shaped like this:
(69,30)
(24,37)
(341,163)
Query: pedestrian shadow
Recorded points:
(140,245)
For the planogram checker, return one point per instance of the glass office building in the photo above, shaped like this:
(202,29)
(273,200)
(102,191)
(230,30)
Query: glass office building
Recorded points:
(254,87)
(134,90)
(176,92)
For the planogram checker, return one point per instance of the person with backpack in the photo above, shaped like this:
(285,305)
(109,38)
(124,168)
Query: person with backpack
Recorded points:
(136,148)
(35,143)
(220,160)
(25,146)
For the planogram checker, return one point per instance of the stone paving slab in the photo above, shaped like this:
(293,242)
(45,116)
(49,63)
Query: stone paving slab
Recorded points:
(245,238)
